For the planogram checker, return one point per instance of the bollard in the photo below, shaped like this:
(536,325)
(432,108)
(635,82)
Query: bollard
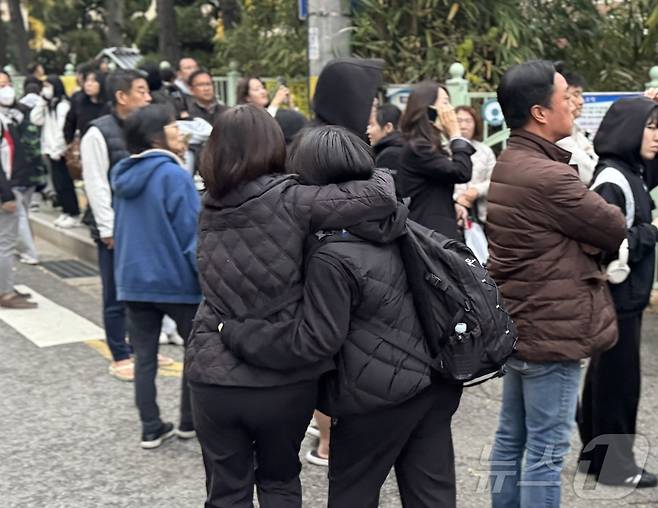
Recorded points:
(232,83)
(458,86)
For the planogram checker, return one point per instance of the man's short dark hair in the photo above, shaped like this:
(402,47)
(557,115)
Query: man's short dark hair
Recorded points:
(573,78)
(330,154)
(185,58)
(245,143)
(121,81)
(524,86)
(196,74)
(388,113)
(145,127)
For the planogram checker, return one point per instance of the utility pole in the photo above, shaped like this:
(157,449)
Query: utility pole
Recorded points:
(328,35)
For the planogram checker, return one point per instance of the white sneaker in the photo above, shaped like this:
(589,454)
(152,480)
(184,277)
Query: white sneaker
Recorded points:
(175,339)
(60,219)
(28,260)
(68,222)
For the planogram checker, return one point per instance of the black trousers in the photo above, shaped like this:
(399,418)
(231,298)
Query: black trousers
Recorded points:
(252,435)
(414,437)
(609,405)
(144,326)
(64,188)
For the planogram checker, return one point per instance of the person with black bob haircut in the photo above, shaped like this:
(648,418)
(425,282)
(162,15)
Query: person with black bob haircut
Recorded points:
(386,409)
(428,173)
(250,421)
(156,209)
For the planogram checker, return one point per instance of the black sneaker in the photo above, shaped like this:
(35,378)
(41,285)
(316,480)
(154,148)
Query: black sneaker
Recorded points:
(642,480)
(155,439)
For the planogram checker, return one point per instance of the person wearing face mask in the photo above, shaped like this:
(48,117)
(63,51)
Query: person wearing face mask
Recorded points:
(12,175)
(626,142)
(28,166)
(50,114)
(429,170)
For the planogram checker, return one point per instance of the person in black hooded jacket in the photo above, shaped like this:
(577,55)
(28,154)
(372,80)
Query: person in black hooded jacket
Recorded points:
(387,410)
(626,141)
(428,172)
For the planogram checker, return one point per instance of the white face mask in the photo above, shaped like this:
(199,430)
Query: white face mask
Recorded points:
(47,92)
(7,96)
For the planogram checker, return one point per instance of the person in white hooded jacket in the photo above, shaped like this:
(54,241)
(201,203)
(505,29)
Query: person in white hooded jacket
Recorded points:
(50,114)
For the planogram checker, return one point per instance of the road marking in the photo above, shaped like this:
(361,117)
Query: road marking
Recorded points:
(53,325)
(100,346)
(49,324)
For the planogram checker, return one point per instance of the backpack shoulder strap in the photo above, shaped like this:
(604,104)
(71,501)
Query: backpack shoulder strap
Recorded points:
(616,177)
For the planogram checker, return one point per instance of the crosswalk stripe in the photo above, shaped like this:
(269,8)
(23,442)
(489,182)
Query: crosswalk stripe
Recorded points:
(49,324)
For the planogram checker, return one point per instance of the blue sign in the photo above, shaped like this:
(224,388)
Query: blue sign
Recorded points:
(302,8)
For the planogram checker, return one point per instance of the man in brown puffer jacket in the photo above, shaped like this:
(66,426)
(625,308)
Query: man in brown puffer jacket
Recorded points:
(545,229)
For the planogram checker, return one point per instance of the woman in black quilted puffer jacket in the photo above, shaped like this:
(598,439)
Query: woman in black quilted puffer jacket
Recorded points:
(387,410)
(251,420)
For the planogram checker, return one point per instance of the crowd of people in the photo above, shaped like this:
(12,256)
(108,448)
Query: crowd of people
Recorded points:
(267,245)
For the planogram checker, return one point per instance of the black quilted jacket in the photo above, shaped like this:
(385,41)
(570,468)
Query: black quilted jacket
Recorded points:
(250,259)
(357,307)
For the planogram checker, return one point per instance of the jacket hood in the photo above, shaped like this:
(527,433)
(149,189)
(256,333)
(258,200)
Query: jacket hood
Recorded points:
(620,133)
(385,230)
(130,176)
(344,92)
(392,139)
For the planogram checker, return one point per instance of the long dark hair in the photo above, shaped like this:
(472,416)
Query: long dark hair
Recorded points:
(415,125)
(59,93)
(100,79)
(245,143)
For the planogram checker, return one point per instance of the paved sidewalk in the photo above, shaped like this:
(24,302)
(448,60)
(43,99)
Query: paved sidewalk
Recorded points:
(72,432)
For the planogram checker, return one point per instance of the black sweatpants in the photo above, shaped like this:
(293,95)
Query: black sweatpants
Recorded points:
(64,188)
(252,435)
(414,437)
(609,405)
(144,326)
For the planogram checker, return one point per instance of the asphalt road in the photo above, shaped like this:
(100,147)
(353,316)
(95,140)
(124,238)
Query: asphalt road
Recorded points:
(72,431)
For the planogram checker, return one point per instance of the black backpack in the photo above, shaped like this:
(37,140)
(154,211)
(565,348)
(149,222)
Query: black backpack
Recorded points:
(469,334)
(468,331)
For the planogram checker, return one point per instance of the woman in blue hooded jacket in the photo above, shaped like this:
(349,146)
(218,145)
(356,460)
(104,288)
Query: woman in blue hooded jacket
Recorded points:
(156,206)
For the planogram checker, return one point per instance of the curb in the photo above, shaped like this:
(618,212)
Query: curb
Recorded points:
(76,241)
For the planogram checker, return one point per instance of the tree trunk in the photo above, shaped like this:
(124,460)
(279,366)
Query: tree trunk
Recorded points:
(230,13)
(168,43)
(3,44)
(114,17)
(20,34)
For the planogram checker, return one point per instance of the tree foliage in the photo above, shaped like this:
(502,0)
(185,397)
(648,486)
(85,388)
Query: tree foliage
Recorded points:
(611,43)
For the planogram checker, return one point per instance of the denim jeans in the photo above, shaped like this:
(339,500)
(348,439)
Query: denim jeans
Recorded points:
(536,420)
(8,235)
(24,242)
(114,312)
